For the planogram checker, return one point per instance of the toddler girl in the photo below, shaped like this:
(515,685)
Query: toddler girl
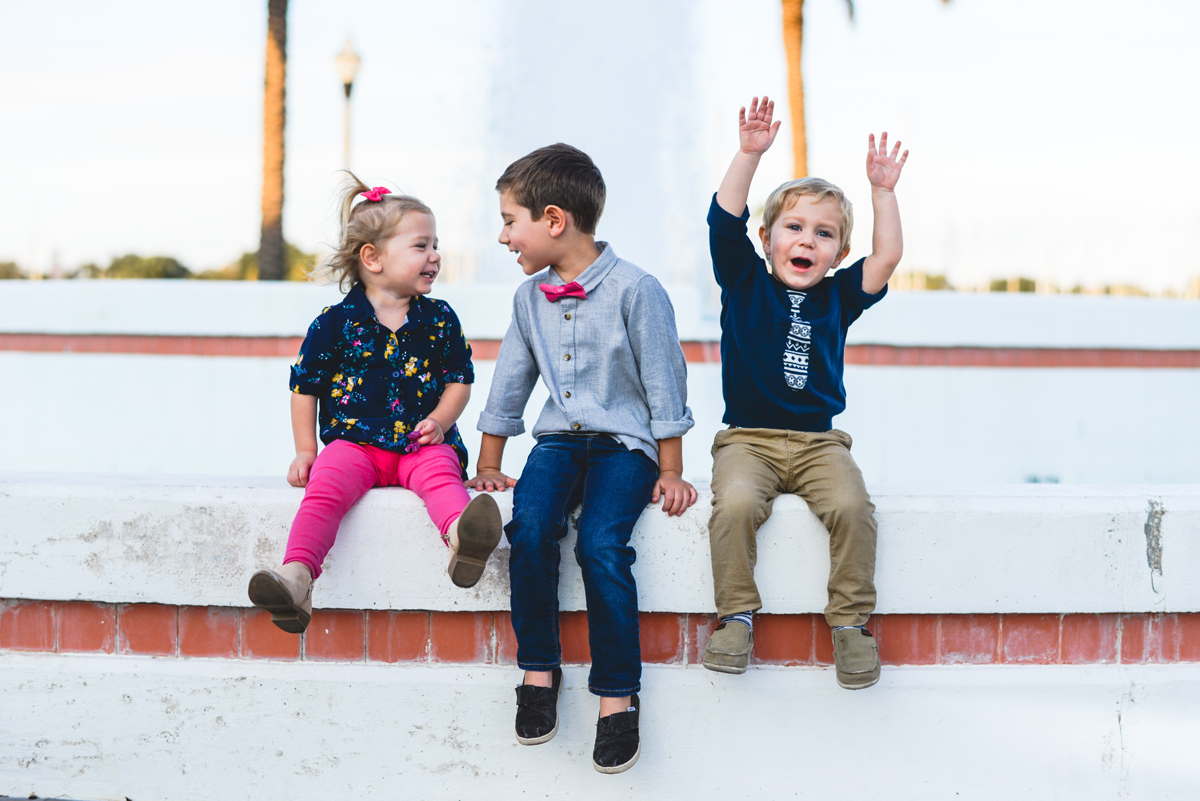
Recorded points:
(390,371)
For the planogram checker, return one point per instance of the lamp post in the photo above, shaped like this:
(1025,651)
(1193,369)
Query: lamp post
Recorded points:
(347,66)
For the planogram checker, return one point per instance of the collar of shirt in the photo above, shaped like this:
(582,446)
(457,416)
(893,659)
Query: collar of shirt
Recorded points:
(593,274)
(358,309)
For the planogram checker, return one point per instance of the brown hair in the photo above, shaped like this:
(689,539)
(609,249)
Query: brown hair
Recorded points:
(785,195)
(371,222)
(557,175)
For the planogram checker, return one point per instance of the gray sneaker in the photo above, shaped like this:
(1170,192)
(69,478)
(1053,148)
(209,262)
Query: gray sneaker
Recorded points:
(728,649)
(856,658)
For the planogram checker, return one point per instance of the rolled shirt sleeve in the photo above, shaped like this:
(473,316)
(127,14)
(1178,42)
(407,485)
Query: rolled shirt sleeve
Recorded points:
(661,365)
(512,383)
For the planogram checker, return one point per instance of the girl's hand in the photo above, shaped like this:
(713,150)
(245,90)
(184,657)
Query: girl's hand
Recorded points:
(676,493)
(301,465)
(431,432)
(755,130)
(490,481)
(883,171)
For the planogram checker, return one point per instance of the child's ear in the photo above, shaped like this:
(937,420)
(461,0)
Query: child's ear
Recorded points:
(845,252)
(766,243)
(368,255)
(556,218)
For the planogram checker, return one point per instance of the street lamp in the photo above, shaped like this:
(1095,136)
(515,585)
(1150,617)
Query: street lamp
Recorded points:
(347,66)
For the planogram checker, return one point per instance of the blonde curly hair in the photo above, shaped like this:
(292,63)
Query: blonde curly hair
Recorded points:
(371,222)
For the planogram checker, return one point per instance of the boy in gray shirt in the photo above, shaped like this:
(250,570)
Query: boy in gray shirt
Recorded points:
(601,334)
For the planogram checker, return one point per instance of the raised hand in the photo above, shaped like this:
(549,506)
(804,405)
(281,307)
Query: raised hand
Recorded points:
(755,130)
(883,171)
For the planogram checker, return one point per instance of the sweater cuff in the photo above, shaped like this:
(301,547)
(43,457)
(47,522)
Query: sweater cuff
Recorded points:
(725,224)
(669,429)
(500,426)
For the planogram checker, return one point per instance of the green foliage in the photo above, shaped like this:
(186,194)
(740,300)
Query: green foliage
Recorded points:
(1003,285)
(297,264)
(9,270)
(134,266)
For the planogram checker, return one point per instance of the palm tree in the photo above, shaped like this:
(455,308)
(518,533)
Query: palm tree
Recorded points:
(270,248)
(793,40)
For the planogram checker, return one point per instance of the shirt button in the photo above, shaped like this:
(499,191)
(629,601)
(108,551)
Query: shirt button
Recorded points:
(395,375)
(567,316)
(576,426)
(567,356)
(567,394)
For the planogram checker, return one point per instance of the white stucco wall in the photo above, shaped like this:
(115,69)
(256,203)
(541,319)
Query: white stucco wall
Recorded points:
(229,415)
(112,413)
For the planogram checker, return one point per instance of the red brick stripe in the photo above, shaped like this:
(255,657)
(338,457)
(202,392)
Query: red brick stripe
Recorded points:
(1019,357)
(162,345)
(353,635)
(694,352)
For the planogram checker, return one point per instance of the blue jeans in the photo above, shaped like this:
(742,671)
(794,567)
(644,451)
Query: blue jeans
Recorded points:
(614,485)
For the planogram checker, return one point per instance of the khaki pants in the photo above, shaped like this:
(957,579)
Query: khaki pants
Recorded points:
(751,467)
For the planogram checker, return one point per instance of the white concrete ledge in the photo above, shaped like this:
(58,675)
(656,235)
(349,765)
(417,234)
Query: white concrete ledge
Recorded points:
(988,549)
(132,727)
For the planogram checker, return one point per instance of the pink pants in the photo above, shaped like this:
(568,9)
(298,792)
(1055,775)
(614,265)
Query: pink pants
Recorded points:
(344,471)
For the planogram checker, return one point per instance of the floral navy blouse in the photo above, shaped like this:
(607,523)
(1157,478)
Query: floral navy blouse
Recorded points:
(374,385)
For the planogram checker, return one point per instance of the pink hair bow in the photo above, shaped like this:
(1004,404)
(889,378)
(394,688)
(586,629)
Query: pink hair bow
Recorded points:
(377,193)
(571,290)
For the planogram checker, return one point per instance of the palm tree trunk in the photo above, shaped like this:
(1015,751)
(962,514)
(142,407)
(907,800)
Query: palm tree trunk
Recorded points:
(270,249)
(793,40)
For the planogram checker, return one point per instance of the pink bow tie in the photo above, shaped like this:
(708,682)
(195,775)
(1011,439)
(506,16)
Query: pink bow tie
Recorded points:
(571,290)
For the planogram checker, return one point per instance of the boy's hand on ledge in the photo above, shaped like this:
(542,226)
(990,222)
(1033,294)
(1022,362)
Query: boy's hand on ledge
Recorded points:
(883,171)
(677,495)
(431,432)
(490,481)
(298,472)
(755,131)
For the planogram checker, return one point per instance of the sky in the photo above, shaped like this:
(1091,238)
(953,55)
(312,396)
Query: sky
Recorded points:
(1048,139)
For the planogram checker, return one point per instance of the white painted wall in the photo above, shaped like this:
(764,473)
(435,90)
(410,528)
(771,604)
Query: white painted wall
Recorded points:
(192,730)
(112,413)
(229,416)
(999,549)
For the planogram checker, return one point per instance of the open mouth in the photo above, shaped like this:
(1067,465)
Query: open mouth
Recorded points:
(801,263)
(429,275)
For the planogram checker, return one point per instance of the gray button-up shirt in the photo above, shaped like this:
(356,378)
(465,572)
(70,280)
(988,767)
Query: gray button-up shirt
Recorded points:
(612,361)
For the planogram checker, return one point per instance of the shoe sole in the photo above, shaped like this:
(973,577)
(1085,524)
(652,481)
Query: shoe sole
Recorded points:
(479,530)
(545,738)
(846,686)
(620,768)
(719,668)
(267,592)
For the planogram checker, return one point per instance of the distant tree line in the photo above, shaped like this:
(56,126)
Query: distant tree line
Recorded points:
(297,267)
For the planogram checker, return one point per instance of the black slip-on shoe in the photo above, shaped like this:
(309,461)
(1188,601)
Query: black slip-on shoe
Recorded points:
(537,711)
(618,743)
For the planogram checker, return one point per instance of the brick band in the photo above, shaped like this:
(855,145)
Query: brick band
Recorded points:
(694,352)
(667,638)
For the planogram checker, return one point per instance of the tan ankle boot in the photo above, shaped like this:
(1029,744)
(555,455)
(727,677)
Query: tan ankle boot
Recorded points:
(286,594)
